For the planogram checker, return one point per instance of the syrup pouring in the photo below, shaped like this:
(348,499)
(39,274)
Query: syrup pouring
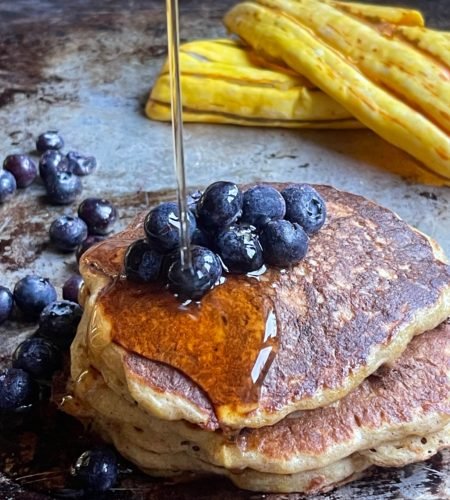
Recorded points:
(173,38)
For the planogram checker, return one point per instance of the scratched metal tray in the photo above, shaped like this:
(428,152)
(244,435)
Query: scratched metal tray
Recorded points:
(85,68)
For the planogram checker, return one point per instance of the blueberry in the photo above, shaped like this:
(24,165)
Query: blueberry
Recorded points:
(16,389)
(162,226)
(51,163)
(193,199)
(6,304)
(305,206)
(22,167)
(86,244)
(168,260)
(142,262)
(99,215)
(96,469)
(49,140)
(193,284)
(239,248)
(284,243)
(32,294)
(81,164)
(261,205)
(200,238)
(219,206)
(63,188)
(38,357)
(59,321)
(71,288)
(8,185)
(67,232)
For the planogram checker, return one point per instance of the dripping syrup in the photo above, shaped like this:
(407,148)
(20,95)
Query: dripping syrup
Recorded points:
(173,39)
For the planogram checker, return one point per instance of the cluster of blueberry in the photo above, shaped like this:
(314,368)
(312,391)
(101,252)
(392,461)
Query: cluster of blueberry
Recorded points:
(231,231)
(59,173)
(36,359)
(33,293)
(27,381)
(95,219)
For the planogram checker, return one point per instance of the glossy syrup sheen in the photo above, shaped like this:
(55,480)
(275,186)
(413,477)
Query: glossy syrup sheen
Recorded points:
(225,344)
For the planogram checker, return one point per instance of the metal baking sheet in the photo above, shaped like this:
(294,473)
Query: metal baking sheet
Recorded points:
(85,68)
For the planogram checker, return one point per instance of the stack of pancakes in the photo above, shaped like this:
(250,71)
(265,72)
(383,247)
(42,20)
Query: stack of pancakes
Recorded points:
(293,380)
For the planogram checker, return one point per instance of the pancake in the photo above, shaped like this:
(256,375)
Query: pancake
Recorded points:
(399,415)
(261,347)
(310,482)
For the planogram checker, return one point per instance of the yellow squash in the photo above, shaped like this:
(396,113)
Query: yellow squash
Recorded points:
(434,43)
(386,81)
(378,14)
(224,82)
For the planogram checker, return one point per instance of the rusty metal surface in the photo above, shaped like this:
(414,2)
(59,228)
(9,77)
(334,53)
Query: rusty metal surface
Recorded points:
(85,68)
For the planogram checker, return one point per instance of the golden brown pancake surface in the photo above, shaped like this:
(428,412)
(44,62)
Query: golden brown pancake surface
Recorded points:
(416,385)
(388,420)
(258,348)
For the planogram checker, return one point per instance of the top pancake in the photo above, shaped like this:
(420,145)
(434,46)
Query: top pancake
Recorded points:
(257,349)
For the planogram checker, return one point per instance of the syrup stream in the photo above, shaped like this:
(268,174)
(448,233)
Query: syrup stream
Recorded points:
(173,39)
